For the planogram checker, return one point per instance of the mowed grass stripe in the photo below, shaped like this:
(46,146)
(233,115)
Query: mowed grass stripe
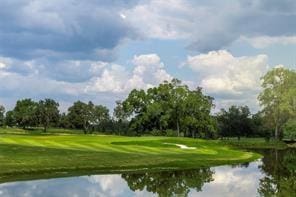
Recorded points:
(33,143)
(79,146)
(107,147)
(8,141)
(53,144)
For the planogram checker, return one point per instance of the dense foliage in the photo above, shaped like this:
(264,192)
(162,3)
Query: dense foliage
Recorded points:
(278,98)
(171,106)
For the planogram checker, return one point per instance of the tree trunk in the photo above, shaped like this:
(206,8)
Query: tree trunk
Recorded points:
(45,128)
(193,134)
(178,129)
(276,132)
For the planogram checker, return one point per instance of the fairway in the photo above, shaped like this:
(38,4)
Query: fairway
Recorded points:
(21,155)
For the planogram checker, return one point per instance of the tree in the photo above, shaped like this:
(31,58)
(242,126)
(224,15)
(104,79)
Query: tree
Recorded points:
(64,121)
(2,111)
(196,118)
(47,112)
(83,116)
(290,129)
(170,106)
(79,115)
(25,113)
(234,122)
(278,97)
(259,128)
(10,119)
(120,117)
(119,112)
(178,96)
(99,115)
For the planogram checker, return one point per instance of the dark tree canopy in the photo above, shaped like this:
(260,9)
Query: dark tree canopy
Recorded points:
(25,113)
(47,112)
(86,116)
(170,106)
(236,121)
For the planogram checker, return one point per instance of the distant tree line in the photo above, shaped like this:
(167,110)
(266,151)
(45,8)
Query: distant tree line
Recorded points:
(170,109)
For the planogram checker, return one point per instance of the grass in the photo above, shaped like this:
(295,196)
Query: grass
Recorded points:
(254,143)
(28,156)
(39,131)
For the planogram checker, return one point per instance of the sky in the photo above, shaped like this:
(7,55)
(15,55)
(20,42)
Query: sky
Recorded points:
(100,50)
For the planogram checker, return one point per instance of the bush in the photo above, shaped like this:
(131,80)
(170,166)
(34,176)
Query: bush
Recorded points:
(171,133)
(290,130)
(156,132)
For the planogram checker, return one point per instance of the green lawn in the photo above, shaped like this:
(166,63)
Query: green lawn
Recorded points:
(36,156)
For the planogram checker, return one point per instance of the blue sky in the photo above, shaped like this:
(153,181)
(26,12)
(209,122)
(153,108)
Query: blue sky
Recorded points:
(99,49)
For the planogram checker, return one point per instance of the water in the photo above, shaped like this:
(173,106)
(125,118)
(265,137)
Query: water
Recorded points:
(274,175)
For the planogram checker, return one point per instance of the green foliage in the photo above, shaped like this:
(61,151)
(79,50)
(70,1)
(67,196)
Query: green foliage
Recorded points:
(47,112)
(2,111)
(171,133)
(278,97)
(171,105)
(235,122)
(290,130)
(87,116)
(156,132)
(10,119)
(25,113)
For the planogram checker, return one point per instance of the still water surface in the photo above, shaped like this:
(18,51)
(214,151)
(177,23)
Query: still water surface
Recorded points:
(274,175)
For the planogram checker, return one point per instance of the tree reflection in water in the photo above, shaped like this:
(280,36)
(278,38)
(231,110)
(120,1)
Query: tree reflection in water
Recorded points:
(169,183)
(279,167)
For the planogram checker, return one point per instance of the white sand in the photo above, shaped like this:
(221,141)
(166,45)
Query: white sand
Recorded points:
(182,146)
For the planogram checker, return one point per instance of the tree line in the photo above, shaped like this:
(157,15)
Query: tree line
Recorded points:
(170,109)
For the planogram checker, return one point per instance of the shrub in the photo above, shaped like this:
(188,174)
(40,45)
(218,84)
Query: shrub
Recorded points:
(290,129)
(156,132)
(171,133)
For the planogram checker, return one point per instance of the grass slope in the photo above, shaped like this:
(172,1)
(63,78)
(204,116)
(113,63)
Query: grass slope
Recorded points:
(27,156)
(254,143)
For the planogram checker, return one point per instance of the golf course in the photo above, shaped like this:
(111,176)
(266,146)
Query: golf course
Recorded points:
(30,156)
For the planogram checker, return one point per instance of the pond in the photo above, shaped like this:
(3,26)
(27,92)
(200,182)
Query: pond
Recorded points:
(273,175)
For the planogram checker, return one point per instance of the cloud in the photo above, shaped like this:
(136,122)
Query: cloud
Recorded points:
(62,28)
(213,25)
(70,80)
(266,41)
(148,71)
(226,179)
(231,80)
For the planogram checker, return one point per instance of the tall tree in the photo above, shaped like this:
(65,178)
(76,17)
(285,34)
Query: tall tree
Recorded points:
(25,113)
(178,96)
(47,112)
(278,97)
(171,105)
(99,115)
(83,116)
(79,115)
(2,112)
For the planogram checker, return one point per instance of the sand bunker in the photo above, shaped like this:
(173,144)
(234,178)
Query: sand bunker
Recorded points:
(182,146)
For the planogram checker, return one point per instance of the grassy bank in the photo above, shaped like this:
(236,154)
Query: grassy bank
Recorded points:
(254,143)
(57,155)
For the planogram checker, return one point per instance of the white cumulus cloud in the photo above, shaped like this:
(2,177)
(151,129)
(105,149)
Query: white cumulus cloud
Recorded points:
(229,78)
(148,71)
